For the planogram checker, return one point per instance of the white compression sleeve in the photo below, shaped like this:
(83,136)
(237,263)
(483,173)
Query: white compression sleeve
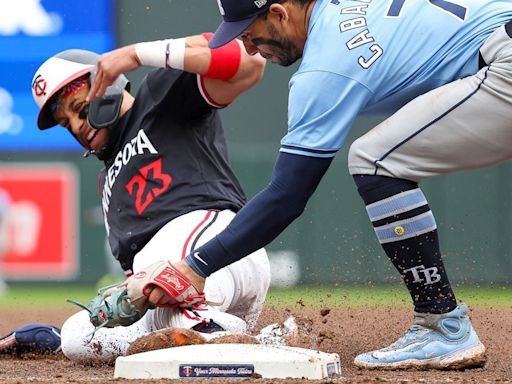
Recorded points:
(162,53)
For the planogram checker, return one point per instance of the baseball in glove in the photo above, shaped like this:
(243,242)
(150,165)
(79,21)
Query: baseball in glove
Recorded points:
(124,304)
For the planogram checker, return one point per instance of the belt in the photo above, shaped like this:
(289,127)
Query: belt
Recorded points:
(508,28)
(481,61)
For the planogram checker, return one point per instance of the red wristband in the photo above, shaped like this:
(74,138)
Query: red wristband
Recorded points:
(225,60)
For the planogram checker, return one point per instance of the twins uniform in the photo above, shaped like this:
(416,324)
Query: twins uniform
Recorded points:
(366,57)
(166,189)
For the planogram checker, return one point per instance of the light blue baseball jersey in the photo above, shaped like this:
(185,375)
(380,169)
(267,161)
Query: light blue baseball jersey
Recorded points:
(373,56)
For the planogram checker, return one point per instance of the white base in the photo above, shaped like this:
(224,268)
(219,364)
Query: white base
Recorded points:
(229,360)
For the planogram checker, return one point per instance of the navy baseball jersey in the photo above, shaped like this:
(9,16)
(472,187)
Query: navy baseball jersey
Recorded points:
(375,56)
(170,158)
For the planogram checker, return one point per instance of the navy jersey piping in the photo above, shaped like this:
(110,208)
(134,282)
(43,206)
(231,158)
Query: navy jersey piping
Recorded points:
(328,151)
(376,162)
(194,243)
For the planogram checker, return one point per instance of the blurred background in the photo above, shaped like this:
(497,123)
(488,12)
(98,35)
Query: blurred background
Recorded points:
(51,227)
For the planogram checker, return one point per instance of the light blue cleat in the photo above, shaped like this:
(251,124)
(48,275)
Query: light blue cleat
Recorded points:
(446,341)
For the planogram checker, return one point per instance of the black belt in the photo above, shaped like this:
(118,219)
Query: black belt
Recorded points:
(508,28)
(481,61)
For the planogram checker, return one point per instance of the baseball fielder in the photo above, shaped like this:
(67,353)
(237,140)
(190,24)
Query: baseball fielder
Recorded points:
(167,186)
(442,70)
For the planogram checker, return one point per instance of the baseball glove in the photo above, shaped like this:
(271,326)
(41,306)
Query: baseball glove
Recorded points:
(124,304)
(113,306)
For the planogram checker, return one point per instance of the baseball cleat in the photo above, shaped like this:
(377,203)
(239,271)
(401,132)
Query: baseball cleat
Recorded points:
(446,341)
(35,338)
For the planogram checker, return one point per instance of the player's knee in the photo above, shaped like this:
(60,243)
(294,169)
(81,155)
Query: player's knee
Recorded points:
(359,160)
(75,335)
(69,337)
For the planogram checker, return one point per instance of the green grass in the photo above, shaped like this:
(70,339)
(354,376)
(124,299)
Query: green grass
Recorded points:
(46,295)
(380,296)
(34,295)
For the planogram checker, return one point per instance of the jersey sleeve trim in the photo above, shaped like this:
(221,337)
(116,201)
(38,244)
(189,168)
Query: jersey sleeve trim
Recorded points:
(308,151)
(206,96)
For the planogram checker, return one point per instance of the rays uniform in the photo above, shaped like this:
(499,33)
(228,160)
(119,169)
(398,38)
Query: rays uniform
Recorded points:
(442,70)
(167,189)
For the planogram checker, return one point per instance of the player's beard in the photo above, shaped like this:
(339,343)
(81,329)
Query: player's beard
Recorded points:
(285,50)
(105,150)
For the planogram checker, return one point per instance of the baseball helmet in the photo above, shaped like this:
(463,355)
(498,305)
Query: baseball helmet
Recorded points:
(61,69)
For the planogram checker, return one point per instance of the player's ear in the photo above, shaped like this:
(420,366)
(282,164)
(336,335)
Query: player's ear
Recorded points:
(279,12)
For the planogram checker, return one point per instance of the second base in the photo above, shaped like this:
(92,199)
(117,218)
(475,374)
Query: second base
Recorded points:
(229,360)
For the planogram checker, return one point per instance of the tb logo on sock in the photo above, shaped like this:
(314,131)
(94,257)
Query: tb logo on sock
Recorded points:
(431,274)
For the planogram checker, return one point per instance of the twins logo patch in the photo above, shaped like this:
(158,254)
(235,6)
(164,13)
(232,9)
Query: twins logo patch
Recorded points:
(208,370)
(39,86)
(186,371)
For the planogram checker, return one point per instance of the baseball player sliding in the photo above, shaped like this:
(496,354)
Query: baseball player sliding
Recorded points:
(442,71)
(166,187)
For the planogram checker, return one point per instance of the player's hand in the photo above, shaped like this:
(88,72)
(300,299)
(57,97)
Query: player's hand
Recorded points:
(110,66)
(196,280)
(158,297)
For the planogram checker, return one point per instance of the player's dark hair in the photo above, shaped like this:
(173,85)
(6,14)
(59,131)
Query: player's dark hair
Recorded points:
(300,3)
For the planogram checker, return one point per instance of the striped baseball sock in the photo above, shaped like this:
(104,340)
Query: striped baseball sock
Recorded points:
(407,231)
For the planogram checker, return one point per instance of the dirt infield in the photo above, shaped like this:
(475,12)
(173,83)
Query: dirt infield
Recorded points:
(344,331)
